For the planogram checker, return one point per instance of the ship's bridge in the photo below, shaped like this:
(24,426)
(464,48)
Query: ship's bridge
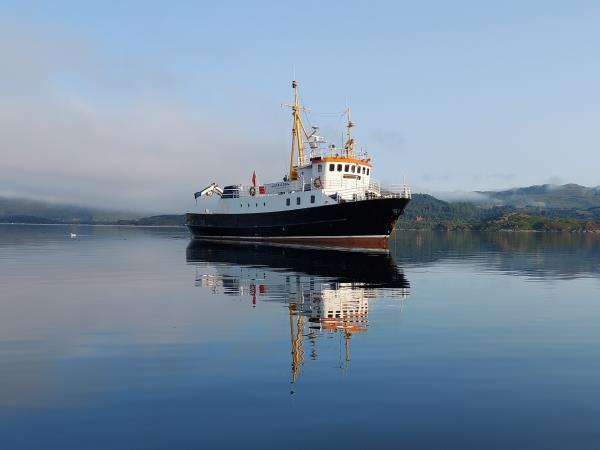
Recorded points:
(348,178)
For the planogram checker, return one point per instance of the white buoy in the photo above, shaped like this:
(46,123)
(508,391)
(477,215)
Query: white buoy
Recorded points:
(73,236)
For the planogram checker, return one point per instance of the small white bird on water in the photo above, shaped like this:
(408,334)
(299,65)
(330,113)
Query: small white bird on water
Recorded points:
(73,236)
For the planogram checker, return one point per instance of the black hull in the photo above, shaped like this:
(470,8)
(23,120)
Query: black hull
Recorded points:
(361,223)
(366,268)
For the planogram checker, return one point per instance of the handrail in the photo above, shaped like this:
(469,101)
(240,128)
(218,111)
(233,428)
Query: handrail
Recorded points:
(358,191)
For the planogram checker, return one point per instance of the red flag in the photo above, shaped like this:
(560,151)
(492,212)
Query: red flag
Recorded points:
(254,178)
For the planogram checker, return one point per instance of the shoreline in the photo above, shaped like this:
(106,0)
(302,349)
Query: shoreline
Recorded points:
(395,230)
(92,225)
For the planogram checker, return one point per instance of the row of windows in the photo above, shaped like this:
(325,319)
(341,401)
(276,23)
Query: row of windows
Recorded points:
(349,168)
(288,201)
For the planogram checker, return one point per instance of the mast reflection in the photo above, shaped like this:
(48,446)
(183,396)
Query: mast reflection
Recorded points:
(326,291)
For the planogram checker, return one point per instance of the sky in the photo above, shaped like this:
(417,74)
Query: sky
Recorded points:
(137,105)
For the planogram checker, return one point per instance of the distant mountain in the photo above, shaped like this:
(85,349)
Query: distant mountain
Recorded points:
(23,210)
(570,207)
(27,219)
(156,221)
(569,200)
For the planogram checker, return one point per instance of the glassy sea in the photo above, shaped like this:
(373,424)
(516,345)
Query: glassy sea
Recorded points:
(138,338)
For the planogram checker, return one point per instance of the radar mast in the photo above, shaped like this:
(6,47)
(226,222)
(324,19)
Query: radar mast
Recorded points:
(349,145)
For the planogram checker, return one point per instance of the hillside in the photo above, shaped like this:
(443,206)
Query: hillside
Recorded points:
(156,221)
(23,210)
(427,212)
(515,221)
(535,208)
(569,200)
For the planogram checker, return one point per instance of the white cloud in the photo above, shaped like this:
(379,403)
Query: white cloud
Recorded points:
(144,153)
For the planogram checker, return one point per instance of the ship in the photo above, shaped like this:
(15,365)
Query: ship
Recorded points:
(328,197)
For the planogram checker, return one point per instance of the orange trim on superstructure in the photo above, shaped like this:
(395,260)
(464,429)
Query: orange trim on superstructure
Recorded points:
(346,160)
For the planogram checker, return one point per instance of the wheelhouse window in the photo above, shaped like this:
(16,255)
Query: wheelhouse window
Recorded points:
(287,202)
(364,170)
(353,169)
(367,171)
(347,168)
(331,167)
(312,198)
(320,168)
(297,200)
(339,167)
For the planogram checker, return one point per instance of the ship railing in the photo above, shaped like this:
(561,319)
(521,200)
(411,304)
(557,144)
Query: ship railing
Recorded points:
(244,191)
(342,190)
(374,187)
(396,191)
(329,185)
(352,196)
(363,191)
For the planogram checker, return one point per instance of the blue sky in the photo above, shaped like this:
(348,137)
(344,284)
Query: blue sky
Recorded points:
(141,103)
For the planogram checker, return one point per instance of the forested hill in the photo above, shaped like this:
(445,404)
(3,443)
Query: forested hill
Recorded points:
(25,210)
(552,208)
(427,212)
(569,199)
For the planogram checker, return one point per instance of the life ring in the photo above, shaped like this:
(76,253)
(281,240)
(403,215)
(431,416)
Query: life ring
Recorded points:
(252,191)
(317,183)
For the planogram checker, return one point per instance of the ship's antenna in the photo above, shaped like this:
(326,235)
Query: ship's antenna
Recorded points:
(349,146)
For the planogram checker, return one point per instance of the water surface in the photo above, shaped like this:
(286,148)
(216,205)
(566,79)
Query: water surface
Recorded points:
(131,338)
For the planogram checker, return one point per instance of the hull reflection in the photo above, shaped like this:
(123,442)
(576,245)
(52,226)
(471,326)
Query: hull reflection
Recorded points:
(326,291)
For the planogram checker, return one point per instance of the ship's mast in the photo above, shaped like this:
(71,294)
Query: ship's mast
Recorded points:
(297,131)
(296,341)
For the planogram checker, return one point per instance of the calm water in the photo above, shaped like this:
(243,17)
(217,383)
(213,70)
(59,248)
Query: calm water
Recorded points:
(130,338)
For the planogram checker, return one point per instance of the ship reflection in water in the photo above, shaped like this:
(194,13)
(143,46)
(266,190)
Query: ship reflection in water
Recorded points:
(326,291)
